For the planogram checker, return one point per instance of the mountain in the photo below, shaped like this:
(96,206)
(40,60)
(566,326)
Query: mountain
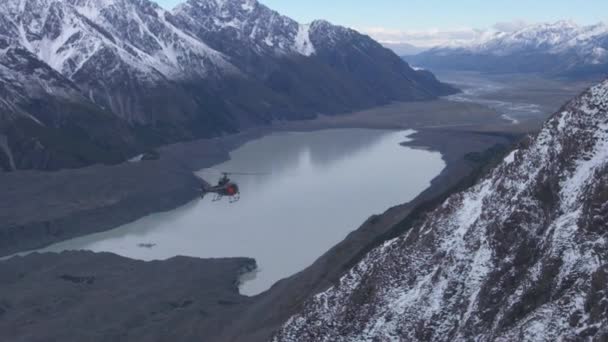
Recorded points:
(133,75)
(560,49)
(46,122)
(520,256)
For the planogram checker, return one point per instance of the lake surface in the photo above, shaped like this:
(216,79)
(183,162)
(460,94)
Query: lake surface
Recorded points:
(318,187)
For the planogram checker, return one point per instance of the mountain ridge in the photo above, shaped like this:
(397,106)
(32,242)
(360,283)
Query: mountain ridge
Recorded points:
(520,255)
(204,69)
(562,49)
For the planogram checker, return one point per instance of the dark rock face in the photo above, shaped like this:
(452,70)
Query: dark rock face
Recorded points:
(561,49)
(354,55)
(521,255)
(48,124)
(154,77)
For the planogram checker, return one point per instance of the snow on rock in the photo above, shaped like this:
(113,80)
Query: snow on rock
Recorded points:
(112,50)
(520,256)
(552,37)
(246,23)
(67,34)
(121,53)
(205,68)
(302,41)
(563,38)
(7,152)
(23,77)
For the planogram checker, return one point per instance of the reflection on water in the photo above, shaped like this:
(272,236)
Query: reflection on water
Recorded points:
(321,186)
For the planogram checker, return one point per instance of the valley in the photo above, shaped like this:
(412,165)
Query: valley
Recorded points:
(84,200)
(101,198)
(308,200)
(278,171)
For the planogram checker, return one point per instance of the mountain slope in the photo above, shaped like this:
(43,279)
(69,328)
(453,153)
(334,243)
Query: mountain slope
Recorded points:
(519,256)
(558,49)
(208,67)
(120,53)
(318,66)
(45,122)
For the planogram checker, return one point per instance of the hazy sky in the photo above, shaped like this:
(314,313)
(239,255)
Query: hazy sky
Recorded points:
(400,19)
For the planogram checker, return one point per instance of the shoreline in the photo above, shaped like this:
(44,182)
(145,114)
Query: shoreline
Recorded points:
(38,209)
(75,203)
(270,309)
(201,310)
(100,196)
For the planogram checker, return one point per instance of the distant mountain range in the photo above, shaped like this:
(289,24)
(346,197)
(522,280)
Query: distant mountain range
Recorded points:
(561,49)
(89,81)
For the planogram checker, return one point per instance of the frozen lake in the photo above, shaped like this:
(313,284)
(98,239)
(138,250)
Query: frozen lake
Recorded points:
(319,187)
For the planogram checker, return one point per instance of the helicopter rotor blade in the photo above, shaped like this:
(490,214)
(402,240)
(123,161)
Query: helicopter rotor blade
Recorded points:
(235,173)
(248,173)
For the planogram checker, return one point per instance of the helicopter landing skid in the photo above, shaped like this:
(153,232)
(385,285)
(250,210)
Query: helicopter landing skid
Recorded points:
(234,198)
(231,199)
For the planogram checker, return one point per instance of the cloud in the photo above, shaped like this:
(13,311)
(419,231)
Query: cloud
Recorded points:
(404,49)
(511,26)
(424,38)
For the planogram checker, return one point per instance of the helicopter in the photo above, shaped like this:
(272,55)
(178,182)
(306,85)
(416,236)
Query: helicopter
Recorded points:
(225,187)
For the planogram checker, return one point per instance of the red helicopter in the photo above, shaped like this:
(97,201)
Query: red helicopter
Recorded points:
(225,188)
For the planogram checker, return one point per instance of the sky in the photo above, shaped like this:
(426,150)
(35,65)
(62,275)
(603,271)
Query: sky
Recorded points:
(433,22)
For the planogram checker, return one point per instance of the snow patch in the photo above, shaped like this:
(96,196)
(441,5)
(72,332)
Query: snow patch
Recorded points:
(7,151)
(136,159)
(302,43)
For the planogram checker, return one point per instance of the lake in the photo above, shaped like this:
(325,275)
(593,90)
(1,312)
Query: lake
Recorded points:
(313,189)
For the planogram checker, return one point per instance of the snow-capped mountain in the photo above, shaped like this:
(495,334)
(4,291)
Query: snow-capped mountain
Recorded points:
(101,44)
(554,38)
(562,48)
(208,66)
(521,256)
(265,44)
(68,34)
